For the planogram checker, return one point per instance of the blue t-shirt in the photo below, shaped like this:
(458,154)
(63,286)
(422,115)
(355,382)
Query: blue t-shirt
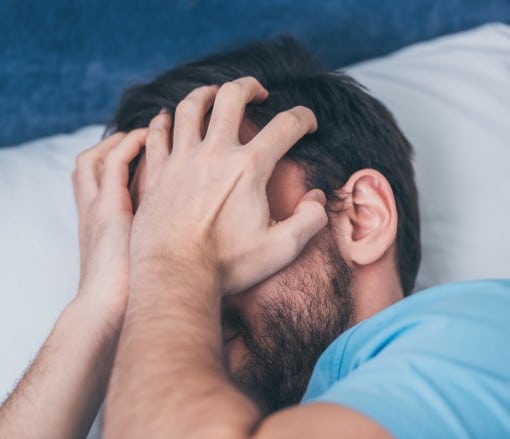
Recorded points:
(433,365)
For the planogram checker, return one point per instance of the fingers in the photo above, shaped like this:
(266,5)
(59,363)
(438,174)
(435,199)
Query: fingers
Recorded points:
(283,244)
(87,175)
(280,135)
(289,237)
(229,105)
(75,185)
(157,147)
(116,164)
(190,115)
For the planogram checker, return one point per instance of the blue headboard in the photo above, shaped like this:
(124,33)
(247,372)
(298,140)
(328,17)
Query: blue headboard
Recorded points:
(64,63)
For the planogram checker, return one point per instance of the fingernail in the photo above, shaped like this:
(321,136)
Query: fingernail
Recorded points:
(163,111)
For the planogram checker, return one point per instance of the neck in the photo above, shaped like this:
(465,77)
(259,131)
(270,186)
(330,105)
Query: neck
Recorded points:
(375,289)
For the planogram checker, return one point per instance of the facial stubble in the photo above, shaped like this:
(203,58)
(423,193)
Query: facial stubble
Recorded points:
(310,308)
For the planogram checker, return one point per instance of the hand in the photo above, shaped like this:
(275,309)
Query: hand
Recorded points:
(205,204)
(105,215)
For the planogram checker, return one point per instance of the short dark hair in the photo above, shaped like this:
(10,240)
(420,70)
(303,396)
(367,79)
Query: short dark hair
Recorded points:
(356,131)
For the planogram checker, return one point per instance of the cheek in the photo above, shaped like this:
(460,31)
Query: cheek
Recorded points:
(247,306)
(295,285)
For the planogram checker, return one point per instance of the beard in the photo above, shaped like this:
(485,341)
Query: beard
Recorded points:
(312,305)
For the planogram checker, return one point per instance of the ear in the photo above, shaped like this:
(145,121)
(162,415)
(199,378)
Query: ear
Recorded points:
(367,224)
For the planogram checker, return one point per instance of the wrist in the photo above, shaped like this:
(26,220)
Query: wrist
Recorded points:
(158,276)
(98,317)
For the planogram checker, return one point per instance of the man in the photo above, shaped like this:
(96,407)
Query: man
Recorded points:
(246,260)
(356,133)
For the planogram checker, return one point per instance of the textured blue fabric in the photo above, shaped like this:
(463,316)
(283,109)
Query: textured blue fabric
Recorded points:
(434,365)
(63,63)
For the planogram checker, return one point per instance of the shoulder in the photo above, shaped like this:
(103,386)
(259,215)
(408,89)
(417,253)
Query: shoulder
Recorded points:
(445,347)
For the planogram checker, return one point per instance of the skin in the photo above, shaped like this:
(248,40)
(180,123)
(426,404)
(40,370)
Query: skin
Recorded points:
(61,392)
(151,279)
(305,284)
(183,268)
(314,291)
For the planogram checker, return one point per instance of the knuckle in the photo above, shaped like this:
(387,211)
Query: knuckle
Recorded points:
(132,137)
(110,160)
(307,115)
(187,107)
(251,79)
(303,109)
(135,133)
(156,132)
(113,157)
(198,93)
(117,135)
(195,100)
(252,82)
(291,119)
(81,160)
(203,91)
(157,122)
(231,88)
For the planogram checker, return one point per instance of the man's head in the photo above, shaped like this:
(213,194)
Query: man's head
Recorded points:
(365,259)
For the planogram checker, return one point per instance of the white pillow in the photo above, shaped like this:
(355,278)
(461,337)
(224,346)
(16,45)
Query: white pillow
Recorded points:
(39,263)
(450,96)
(39,256)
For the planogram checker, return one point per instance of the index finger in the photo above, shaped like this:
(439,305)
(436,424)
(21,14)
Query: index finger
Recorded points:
(116,164)
(87,174)
(229,105)
(280,135)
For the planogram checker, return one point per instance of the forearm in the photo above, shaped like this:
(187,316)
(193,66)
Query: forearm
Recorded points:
(169,374)
(60,394)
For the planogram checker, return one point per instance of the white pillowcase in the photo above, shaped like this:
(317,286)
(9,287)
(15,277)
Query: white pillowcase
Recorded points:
(451,98)
(39,256)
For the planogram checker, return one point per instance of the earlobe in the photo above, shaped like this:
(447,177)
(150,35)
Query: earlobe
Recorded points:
(369,216)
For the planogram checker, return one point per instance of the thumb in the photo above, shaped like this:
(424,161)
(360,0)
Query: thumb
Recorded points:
(313,195)
(284,241)
(308,219)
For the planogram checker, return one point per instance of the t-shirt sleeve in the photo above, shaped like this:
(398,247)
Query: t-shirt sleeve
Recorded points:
(443,374)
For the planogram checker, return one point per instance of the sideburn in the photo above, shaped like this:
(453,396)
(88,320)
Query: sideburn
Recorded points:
(297,326)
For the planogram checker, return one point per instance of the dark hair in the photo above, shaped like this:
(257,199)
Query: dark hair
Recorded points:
(355,130)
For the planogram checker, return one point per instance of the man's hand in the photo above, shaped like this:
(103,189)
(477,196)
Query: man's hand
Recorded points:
(62,391)
(105,214)
(202,230)
(205,204)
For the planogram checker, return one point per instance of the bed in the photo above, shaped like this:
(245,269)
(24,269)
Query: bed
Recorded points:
(450,95)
